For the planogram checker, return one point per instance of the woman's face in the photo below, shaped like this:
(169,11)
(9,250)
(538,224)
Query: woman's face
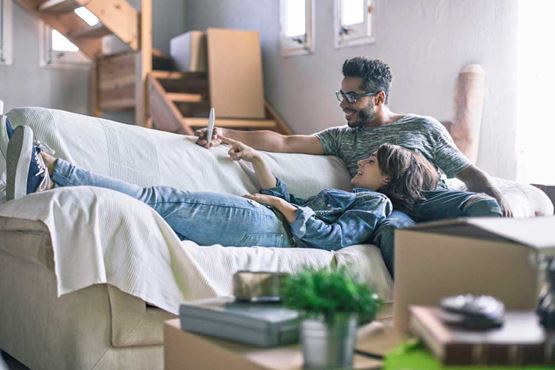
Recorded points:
(369,175)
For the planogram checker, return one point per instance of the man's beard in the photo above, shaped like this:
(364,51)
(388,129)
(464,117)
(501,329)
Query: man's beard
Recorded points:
(364,117)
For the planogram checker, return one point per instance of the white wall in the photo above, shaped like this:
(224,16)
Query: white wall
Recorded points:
(425,42)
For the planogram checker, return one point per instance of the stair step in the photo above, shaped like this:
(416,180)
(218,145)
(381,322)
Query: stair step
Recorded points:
(231,122)
(59,6)
(182,82)
(185,98)
(176,75)
(92,32)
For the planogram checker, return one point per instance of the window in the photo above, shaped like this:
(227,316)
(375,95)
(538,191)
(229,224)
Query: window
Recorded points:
(297,27)
(536,78)
(57,50)
(5,32)
(354,22)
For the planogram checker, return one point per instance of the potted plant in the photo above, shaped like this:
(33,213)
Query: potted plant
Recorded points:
(331,302)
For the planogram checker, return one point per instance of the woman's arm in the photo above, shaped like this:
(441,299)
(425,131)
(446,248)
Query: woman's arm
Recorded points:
(354,226)
(239,151)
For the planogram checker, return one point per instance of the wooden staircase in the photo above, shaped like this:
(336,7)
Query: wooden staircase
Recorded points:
(116,17)
(179,102)
(168,100)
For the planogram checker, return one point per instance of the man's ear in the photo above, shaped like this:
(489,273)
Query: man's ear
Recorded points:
(386,180)
(379,98)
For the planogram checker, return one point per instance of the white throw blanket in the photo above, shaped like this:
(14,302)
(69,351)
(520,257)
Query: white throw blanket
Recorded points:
(101,236)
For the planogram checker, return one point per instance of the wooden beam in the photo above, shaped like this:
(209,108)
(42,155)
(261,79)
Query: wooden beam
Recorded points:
(59,6)
(185,98)
(120,18)
(120,104)
(231,122)
(143,63)
(174,75)
(112,83)
(97,31)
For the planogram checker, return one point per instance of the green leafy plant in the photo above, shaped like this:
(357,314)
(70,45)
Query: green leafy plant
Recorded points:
(326,292)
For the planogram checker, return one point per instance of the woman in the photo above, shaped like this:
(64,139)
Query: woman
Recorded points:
(331,220)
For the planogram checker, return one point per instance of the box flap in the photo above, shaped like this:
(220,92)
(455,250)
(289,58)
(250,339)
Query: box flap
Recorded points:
(535,232)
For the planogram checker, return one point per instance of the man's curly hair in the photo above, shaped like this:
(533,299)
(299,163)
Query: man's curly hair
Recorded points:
(375,74)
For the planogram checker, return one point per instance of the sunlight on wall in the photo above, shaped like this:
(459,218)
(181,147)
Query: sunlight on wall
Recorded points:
(536,91)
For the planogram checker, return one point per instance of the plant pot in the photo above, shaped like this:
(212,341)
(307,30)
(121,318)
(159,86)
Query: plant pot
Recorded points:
(329,344)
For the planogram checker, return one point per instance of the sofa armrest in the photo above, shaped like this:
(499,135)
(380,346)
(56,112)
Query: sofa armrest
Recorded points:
(26,239)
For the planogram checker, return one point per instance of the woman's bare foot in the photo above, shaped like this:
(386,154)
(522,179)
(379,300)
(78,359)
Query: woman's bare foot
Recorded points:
(49,161)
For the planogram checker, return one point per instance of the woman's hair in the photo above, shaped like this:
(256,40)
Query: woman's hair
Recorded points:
(410,175)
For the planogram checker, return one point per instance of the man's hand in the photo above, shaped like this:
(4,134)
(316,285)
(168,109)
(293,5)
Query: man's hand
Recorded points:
(503,204)
(239,150)
(216,137)
(478,181)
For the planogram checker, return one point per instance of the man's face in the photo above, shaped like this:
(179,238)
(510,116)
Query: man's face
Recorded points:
(361,112)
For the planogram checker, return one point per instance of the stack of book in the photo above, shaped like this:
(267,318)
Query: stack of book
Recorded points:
(262,325)
(520,341)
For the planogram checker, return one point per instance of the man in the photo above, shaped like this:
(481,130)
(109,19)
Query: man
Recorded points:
(364,96)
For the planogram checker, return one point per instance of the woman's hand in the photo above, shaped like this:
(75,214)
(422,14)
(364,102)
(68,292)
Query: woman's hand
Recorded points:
(239,150)
(284,207)
(268,200)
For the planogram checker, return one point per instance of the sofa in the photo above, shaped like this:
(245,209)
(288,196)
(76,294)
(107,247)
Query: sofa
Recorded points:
(88,275)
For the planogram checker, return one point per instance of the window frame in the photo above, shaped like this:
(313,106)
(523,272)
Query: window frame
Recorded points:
(291,46)
(6,32)
(50,58)
(363,33)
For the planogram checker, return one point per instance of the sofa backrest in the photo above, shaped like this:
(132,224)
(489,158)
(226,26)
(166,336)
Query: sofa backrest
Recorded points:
(150,157)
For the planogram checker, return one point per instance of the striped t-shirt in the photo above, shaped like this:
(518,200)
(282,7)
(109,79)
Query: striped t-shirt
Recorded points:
(419,133)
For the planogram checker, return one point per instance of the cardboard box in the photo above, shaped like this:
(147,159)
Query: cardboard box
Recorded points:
(493,256)
(189,51)
(187,351)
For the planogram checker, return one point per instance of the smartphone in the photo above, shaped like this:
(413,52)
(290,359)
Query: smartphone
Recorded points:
(210,128)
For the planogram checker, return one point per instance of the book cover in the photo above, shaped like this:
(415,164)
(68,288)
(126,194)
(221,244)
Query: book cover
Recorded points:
(253,323)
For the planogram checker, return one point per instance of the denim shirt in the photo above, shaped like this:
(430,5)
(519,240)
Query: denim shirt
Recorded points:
(334,218)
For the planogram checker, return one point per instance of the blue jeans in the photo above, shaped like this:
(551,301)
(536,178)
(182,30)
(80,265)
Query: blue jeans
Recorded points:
(205,218)
(439,204)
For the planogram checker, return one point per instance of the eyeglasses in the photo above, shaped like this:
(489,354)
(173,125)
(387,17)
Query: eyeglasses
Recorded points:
(351,97)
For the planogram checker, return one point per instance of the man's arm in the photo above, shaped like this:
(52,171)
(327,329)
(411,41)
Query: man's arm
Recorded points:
(265,140)
(478,181)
